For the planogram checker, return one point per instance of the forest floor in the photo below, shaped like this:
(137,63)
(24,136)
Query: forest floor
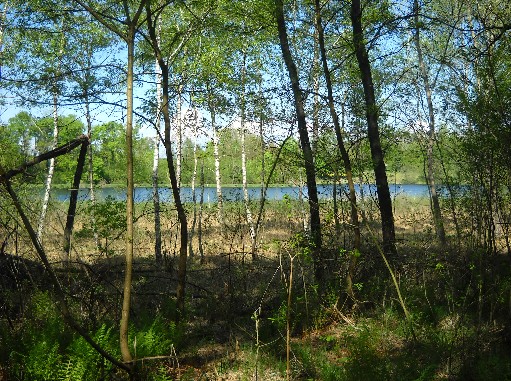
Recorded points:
(239,310)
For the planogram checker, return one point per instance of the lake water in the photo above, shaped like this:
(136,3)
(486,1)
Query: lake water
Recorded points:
(143,194)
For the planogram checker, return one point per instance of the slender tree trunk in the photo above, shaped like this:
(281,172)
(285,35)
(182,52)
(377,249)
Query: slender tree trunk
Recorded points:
(128,36)
(201,207)
(310,171)
(130,204)
(337,127)
(430,177)
(87,80)
(263,173)
(216,155)
(92,195)
(246,199)
(179,148)
(156,160)
(342,149)
(335,192)
(181,213)
(452,197)
(51,169)
(380,173)
(194,178)
(303,212)
(315,105)
(263,152)
(75,187)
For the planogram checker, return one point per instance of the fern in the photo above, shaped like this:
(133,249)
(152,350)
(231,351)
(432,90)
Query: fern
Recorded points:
(87,364)
(162,375)
(157,340)
(70,371)
(42,362)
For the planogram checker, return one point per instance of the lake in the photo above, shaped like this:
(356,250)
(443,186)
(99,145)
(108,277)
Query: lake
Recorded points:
(143,194)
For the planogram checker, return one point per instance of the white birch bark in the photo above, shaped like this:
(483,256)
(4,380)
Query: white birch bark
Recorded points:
(194,125)
(303,212)
(179,146)
(51,170)
(250,220)
(246,198)
(201,205)
(92,196)
(218,178)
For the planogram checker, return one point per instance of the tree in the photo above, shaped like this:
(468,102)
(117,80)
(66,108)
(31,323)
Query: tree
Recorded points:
(164,67)
(382,186)
(125,29)
(430,174)
(47,50)
(340,142)
(156,157)
(315,222)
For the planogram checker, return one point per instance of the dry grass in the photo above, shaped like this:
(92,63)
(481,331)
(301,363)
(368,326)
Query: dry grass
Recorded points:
(279,223)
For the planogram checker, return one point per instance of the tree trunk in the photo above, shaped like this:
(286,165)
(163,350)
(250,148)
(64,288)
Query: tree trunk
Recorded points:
(75,187)
(194,122)
(201,205)
(315,105)
(246,199)
(382,186)
(263,173)
(315,222)
(179,148)
(216,155)
(130,204)
(338,133)
(181,213)
(430,174)
(51,170)
(92,195)
(156,160)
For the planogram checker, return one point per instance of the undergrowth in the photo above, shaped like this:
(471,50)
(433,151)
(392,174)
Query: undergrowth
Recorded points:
(237,329)
(45,349)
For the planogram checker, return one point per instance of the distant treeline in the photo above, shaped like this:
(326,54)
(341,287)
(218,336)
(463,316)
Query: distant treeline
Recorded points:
(25,136)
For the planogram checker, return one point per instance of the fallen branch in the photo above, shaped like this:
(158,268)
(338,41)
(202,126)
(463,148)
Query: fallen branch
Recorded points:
(59,151)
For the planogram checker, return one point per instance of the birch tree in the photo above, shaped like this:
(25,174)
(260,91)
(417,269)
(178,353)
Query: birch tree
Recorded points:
(246,199)
(430,173)
(39,81)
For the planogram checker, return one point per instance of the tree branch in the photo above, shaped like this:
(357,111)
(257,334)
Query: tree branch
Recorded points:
(59,151)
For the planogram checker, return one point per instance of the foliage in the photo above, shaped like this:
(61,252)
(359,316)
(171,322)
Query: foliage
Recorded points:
(110,158)
(46,350)
(110,221)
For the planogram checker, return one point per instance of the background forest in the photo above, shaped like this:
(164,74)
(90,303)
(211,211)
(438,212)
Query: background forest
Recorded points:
(363,284)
